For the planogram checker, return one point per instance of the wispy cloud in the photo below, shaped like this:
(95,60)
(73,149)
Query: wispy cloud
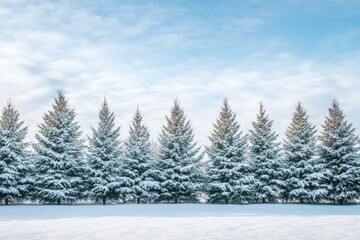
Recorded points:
(147,54)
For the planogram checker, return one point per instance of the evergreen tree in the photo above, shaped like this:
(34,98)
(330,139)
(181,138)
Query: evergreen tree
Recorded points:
(105,174)
(229,174)
(266,159)
(59,154)
(300,151)
(339,155)
(139,161)
(179,158)
(13,158)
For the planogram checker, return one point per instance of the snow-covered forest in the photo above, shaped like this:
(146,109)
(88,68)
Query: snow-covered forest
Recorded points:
(311,164)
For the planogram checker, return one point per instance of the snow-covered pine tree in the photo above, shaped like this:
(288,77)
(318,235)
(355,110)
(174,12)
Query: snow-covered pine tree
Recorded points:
(139,161)
(59,155)
(13,157)
(179,158)
(228,173)
(266,159)
(105,159)
(339,154)
(299,153)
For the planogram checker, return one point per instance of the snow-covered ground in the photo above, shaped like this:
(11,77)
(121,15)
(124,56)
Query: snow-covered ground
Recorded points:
(180,221)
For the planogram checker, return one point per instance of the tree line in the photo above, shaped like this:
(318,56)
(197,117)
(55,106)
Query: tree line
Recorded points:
(62,168)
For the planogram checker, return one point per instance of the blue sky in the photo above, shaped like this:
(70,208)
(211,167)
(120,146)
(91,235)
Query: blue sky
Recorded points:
(147,53)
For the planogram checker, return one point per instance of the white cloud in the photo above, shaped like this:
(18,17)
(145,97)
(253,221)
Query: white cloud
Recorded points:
(91,56)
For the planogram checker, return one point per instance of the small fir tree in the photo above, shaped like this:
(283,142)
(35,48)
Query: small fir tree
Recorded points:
(339,156)
(139,160)
(266,159)
(229,174)
(179,158)
(300,151)
(59,155)
(105,174)
(14,165)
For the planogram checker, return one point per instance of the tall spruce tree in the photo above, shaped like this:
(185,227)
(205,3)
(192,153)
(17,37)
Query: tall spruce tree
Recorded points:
(266,159)
(13,158)
(339,156)
(300,151)
(59,155)
(139,161)
(179,158)
(229,173)
(104,156)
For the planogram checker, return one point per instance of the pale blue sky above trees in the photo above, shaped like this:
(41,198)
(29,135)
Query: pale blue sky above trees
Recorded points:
(147,53)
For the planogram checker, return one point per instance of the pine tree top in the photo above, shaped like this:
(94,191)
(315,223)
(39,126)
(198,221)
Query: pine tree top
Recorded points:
(226,127)
(139,136)
(262,138)
(137,125)
(262,118)
(262,125)
(106,124)
(336,118)
(10,122)
(106,136)
(59,130)
(336,130)
(177,124)
(60,117)
(300,130)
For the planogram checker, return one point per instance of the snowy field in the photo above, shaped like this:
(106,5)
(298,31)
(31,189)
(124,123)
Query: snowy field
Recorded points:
(181,221)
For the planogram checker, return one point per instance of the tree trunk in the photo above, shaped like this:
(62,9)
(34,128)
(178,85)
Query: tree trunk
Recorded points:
(6,201)
(58,202)
(226,201)
(104,200)
(138,200)
(176,200)
(301,200)
(263,200)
